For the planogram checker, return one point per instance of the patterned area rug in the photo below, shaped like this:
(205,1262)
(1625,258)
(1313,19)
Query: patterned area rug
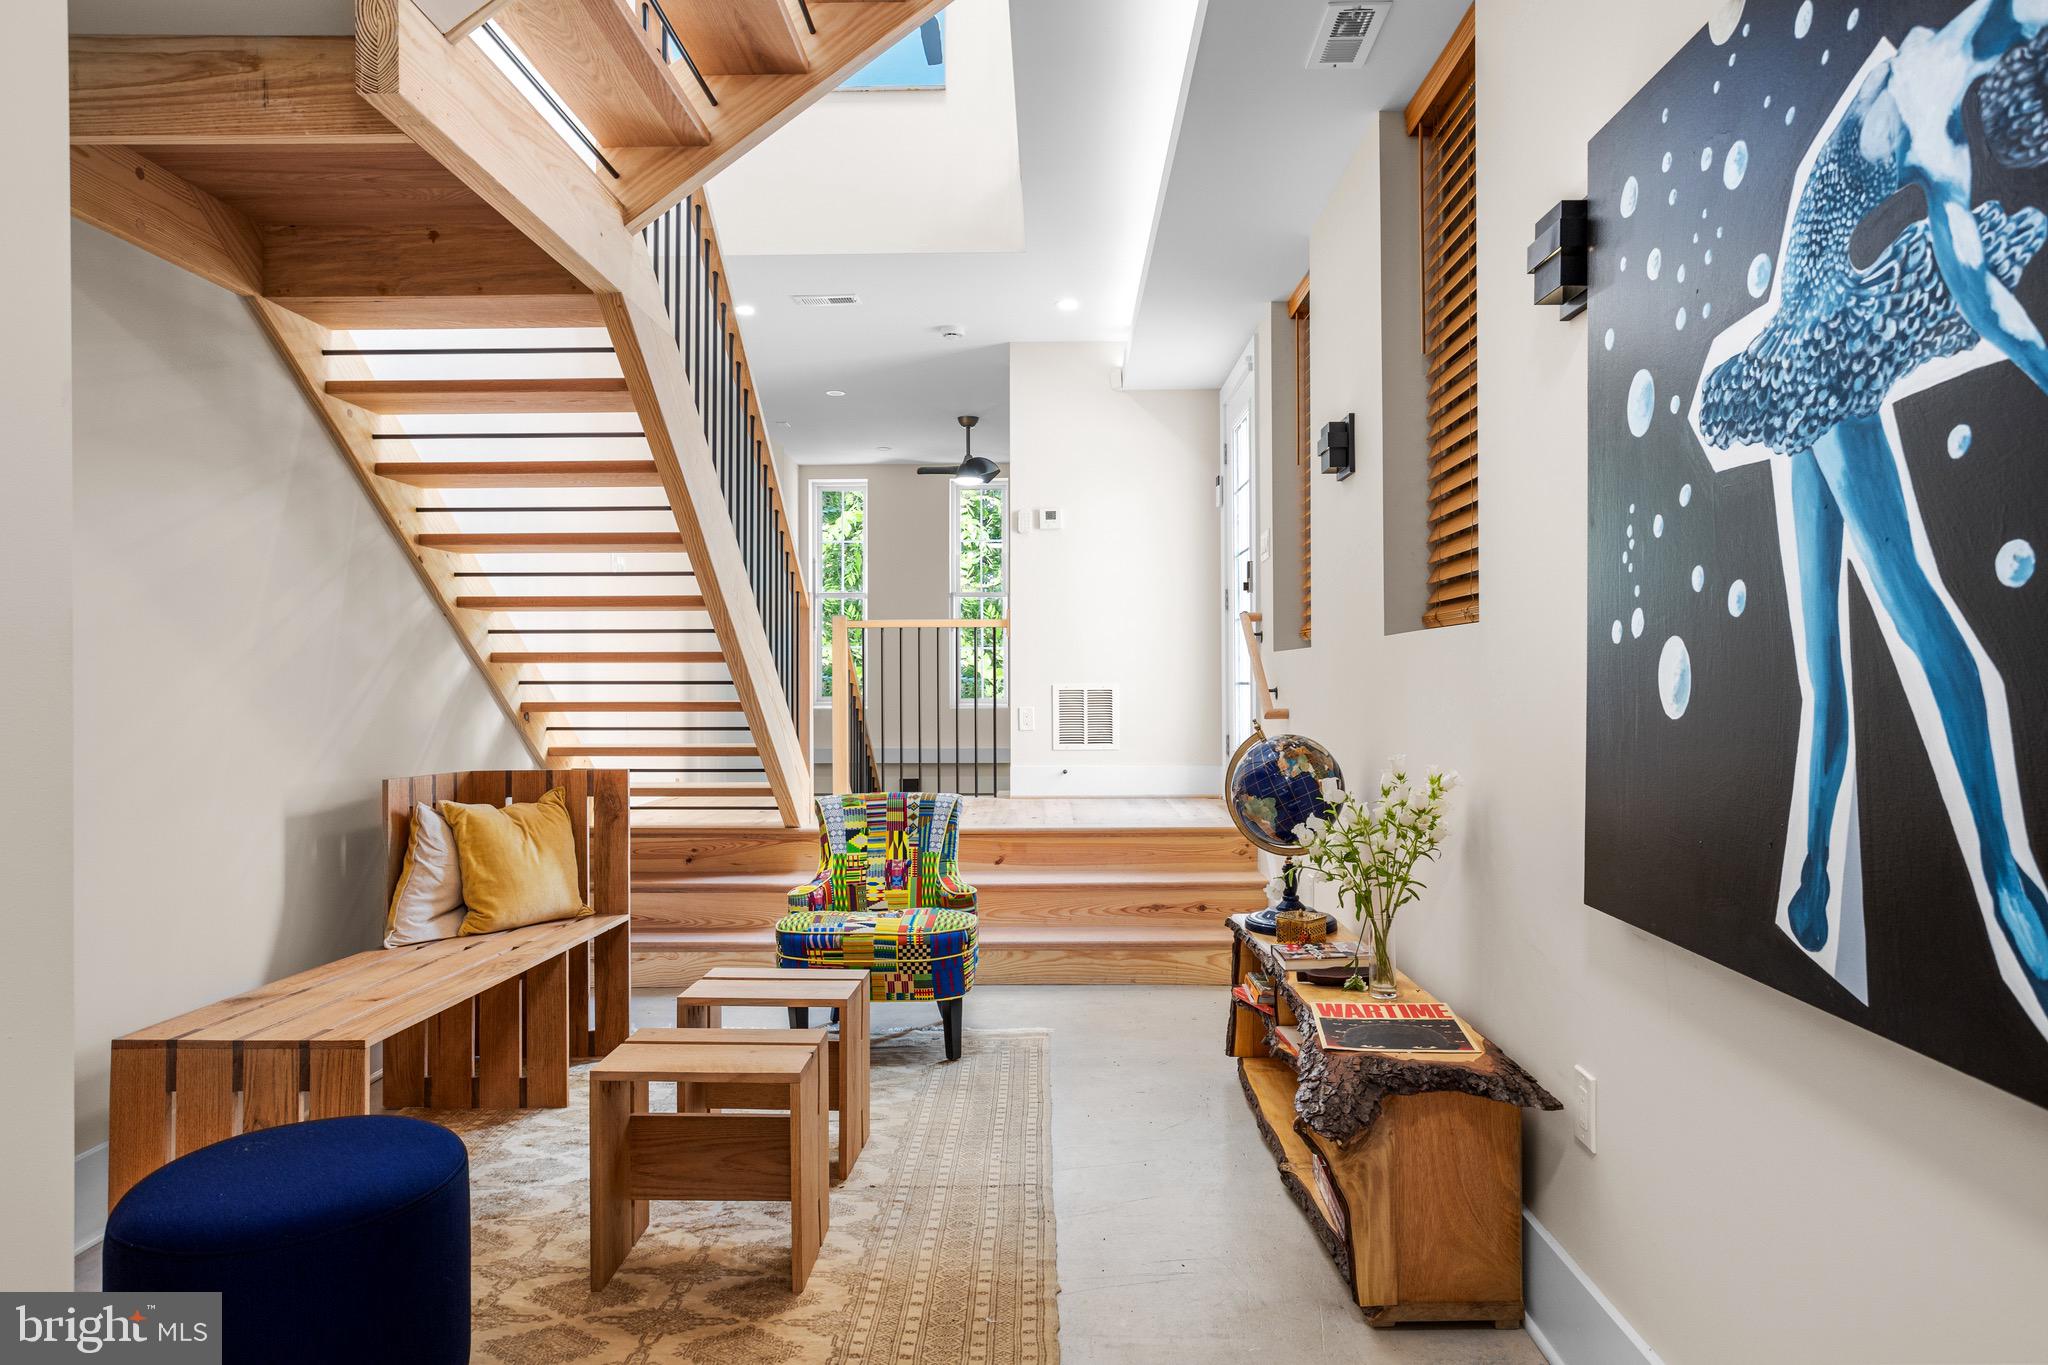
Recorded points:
(940,1248)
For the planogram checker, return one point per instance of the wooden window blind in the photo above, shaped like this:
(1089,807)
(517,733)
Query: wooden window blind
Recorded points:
(1304,448)
(1443,115)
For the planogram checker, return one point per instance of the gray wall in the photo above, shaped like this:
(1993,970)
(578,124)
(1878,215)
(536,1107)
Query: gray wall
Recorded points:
(254,655)
(35,639)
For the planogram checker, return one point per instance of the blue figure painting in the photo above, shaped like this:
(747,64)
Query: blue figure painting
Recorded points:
(1859,449)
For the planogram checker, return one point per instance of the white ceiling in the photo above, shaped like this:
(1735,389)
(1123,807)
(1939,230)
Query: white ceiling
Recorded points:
(1261,143)
(1096,85)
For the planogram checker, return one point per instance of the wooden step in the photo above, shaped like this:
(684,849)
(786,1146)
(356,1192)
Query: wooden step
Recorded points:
(676,790)
(598,60)
(1010,955)
(632,603)
(551,542)
(1060,897)
(521,473)
(408,396)
(742,37)
(663,852)
(606,656)
(653,751)
(542,708)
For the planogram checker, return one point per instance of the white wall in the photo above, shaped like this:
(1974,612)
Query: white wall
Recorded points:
(1129,594)
(891,170)
(1773,1184)
(36,641)
(254,656)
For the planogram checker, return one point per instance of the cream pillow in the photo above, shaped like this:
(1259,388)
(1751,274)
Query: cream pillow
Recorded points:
(428,902)
(518,863)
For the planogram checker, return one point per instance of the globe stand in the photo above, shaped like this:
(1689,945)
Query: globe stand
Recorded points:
(1267,921)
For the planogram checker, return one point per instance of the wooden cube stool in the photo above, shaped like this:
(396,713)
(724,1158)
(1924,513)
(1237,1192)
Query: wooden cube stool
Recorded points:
(637,1156)
(702,1005)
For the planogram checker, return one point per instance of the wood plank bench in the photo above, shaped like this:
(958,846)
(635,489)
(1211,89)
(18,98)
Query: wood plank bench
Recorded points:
(490,1020)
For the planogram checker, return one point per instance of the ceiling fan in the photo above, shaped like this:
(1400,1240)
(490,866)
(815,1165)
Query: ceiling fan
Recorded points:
(972,468)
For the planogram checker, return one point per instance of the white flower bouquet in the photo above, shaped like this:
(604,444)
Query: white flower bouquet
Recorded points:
(1369,851)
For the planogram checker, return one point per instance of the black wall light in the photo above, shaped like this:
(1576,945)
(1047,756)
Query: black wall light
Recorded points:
(1333,447)
(1557,258)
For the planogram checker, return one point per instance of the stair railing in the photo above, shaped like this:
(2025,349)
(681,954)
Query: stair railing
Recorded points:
(921,705)
(684,248)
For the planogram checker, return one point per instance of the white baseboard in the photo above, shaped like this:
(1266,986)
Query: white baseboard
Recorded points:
(1106,779)
(88,1199)
(1565,1313)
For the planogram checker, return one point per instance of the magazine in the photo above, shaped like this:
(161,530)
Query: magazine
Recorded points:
(1389,1026)
(1312,952)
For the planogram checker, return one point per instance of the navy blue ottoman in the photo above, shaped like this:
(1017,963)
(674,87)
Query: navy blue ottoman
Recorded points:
(340,1240)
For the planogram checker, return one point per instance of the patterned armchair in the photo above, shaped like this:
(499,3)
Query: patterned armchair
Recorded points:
(887,851)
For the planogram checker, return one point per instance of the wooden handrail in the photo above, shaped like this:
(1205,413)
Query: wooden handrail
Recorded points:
(1268,711)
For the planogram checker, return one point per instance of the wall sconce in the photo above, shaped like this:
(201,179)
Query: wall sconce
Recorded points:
(1333,447)
(1557,258)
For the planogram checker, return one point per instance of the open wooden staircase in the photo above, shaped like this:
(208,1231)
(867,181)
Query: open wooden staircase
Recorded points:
(1065,905)
(439,223)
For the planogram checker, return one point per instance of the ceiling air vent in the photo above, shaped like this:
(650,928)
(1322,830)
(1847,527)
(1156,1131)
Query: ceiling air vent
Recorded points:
(824,300)
(1347,34)
(1084,717)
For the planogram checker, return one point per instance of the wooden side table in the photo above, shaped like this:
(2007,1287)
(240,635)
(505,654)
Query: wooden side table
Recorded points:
(636,1156)
(702,1004)
(1408,1165)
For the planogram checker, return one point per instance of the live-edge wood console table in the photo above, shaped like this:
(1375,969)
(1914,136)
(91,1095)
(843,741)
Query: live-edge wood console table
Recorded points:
(1407,1165)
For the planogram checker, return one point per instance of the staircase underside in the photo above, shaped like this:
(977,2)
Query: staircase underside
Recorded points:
(1060,904)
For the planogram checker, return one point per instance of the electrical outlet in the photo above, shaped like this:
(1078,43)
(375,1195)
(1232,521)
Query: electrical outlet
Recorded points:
(1027,718)
(1582,1109)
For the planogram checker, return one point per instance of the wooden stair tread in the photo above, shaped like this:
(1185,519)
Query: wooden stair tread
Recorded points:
(399,396)
(657,790)
(981,879)
(521,473)
(627,707)
(653,751)
(628,603)
(763,834)
(551,542)
(599,60)
(606,656)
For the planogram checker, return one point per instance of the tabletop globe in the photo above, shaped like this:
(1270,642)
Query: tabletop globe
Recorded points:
(1274,784)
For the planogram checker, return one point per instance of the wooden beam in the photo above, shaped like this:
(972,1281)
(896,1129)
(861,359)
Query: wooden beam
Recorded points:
(403,396)
(140,202)
(550,542)
(596,58)
(300,344)
(522,473)
(636,602)
(653,368)
(163,90)
(317,265)
(652,179)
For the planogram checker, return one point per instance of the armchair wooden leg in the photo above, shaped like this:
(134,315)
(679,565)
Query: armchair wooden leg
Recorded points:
(799,1016)
(949,1013)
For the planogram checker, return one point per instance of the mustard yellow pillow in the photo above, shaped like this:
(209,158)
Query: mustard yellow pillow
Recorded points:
(518,863)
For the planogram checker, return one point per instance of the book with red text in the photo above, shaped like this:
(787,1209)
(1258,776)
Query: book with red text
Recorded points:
(1388,1026)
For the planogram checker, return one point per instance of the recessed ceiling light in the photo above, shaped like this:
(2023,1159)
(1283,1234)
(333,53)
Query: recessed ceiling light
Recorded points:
(1068,305)
(745,310)
(885,449)
(835,393)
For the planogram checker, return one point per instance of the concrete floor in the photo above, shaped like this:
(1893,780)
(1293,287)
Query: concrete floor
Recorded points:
(1176,1242)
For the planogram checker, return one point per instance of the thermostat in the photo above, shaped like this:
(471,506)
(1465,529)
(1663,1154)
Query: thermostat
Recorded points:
(1051,518)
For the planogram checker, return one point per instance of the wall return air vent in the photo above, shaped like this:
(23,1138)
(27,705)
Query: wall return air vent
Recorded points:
(1084,718)
(824,300)
(1347,33)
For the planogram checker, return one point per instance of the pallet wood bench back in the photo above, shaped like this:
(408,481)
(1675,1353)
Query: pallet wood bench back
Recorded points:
(488,1020)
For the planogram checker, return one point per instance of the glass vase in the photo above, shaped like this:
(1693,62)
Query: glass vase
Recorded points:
(1381,982)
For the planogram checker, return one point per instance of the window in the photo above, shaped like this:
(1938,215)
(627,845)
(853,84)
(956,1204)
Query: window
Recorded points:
(981,584)
(1443,116)
(1304,448)
(916,61)
(839,566)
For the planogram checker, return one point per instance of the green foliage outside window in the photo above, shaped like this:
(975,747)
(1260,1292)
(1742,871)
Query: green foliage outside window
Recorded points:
(979,593)
(842,575)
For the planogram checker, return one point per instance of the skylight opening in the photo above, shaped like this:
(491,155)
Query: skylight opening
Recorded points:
(917,61)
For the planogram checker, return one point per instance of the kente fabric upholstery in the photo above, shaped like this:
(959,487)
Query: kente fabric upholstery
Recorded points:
(918,954)
(887,850)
